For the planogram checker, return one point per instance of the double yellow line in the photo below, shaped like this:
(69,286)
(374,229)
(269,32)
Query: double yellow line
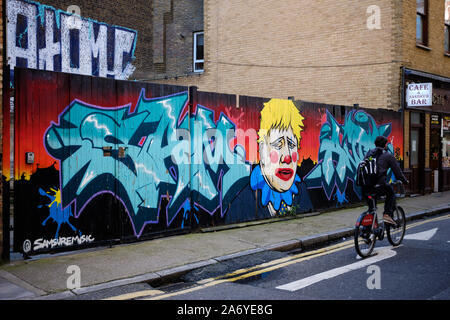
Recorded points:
(253,271)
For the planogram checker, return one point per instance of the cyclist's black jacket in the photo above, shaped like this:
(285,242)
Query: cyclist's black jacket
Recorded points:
(385,161)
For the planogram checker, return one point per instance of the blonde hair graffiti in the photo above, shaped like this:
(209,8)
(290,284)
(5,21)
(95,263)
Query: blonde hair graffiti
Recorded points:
(281,114)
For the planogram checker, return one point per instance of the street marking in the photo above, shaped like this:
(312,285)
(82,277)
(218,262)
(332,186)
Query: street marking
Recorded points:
(286,261)
(273,265)
(424,236)
(189,290)
(137,294)
(426,221)
(383,253)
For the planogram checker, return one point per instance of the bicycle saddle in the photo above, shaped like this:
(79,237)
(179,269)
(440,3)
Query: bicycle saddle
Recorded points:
(374,191)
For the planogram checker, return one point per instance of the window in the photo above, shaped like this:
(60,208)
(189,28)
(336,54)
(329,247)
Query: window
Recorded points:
(415,118)
(199,59)
(421,22)
(447,27)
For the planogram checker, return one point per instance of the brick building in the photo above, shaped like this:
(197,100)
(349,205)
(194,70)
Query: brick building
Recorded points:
(338,52)
(426,59)
(315,51)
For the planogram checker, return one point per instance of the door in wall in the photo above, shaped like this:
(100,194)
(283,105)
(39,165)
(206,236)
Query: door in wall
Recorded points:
(417,154)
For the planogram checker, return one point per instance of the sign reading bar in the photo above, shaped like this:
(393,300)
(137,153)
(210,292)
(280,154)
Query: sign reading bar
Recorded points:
(419,94)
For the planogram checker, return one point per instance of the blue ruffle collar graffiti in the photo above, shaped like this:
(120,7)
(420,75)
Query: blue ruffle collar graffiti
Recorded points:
(268,195)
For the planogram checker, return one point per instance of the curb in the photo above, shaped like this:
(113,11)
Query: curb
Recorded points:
(163,276)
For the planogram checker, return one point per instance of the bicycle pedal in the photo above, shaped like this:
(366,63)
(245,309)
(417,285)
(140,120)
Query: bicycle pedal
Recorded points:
(379,232)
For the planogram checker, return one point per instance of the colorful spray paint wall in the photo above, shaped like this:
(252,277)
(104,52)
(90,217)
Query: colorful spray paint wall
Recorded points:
(338,139)
(80,127)
(99,160)
(42,37)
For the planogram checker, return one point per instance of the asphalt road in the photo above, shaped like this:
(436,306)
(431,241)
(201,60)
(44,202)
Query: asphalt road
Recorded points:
(419,269)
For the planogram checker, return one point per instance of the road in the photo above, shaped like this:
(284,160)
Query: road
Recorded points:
(417,269)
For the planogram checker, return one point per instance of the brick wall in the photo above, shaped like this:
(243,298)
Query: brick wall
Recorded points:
(312,50)
(317,50)
(395,74)
(173,25)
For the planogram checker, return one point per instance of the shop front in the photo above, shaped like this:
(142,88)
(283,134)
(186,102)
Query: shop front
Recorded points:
(426,106)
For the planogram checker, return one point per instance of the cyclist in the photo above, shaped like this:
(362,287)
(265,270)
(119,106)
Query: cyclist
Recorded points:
(385,160)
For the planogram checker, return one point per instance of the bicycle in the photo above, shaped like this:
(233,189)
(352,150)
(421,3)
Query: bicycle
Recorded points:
(368,230)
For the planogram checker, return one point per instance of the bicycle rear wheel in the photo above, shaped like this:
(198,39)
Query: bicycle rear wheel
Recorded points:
(364,240)
(396,233)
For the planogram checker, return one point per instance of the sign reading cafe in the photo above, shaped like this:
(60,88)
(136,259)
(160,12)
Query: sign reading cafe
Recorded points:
(419,94)
(42,37)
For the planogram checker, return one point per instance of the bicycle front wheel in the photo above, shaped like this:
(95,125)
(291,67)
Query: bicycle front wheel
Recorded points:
(364,241)
(396,233)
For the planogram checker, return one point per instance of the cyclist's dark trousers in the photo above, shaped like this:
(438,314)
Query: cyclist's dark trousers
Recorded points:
(385,189)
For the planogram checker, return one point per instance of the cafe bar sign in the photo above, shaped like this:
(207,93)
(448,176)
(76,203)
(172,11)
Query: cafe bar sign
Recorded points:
(419,94)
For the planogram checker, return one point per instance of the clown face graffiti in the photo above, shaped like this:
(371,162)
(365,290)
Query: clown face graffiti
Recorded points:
(278,158)
(279,135)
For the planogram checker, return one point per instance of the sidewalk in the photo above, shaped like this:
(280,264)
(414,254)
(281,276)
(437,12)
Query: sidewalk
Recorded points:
(45,277)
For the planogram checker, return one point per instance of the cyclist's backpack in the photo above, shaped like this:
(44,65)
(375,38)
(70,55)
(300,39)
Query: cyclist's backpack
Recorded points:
(367,172)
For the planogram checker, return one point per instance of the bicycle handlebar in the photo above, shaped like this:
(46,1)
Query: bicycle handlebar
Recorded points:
(400,185)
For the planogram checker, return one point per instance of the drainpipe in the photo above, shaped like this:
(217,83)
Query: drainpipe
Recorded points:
(402,96)
(191,104)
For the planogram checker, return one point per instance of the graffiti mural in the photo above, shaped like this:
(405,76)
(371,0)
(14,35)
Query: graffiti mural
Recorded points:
(279,138)
(149,157)
(342,148)
(41,37)
(125,161)
(56,211)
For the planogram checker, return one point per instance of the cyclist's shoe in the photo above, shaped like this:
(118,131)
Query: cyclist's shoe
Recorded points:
(388,219)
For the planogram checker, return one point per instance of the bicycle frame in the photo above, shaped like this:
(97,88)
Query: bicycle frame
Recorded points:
(371,218)
(368,229)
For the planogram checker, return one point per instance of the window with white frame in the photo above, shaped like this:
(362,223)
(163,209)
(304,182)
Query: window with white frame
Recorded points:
(422,22)
(199,59)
